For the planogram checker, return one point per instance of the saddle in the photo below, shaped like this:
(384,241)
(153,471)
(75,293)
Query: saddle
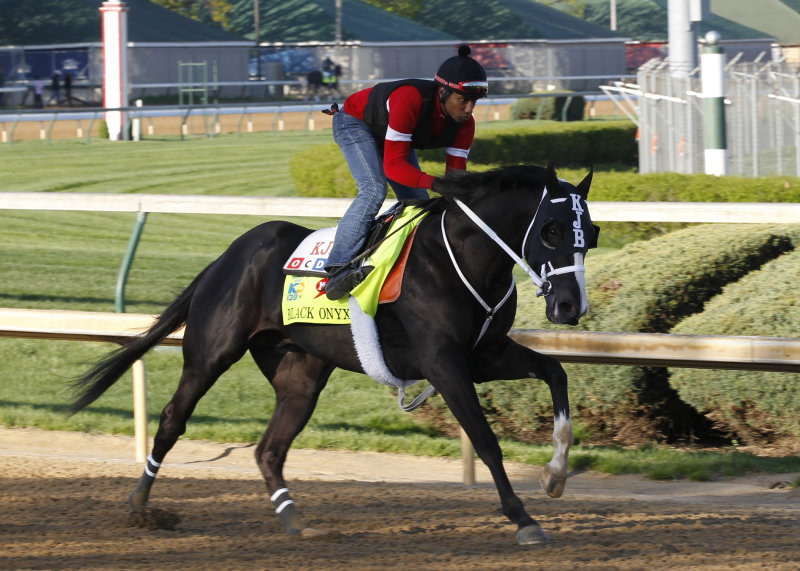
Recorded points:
(311,255)
(386,253)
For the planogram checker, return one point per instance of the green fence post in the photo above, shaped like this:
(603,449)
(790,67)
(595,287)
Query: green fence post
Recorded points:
(712,73)
(127,261)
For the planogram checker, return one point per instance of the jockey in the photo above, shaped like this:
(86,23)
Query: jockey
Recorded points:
(378,130)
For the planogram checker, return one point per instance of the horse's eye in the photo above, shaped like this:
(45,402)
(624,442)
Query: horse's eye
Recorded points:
(552,234)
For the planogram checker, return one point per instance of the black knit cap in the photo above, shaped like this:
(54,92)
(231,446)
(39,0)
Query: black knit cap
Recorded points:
(462,69)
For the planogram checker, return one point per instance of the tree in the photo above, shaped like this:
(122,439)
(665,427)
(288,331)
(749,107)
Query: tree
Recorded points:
(406,8)
(207,11)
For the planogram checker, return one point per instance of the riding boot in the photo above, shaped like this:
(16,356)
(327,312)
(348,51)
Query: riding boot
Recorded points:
(343,279)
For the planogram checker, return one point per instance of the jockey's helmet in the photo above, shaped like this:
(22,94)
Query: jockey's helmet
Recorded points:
(463,74)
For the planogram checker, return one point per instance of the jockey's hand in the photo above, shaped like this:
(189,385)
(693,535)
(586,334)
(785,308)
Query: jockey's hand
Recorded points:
(437,185)
(333,110)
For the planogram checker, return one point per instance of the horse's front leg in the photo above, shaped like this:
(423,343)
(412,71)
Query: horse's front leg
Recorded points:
(510,360)
(454,382)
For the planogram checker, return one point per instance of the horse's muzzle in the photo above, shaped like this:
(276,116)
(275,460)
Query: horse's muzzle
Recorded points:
(564,313)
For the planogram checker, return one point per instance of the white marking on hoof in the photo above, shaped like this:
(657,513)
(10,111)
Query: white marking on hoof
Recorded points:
(551,483)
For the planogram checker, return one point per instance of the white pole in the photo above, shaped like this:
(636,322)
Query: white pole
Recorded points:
(115,66)
(338,9)
(467,459)
(613,15)
(682,40)
(136,124)
(140,410)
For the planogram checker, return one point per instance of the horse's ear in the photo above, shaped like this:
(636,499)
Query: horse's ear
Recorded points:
(583,187)
(553,185)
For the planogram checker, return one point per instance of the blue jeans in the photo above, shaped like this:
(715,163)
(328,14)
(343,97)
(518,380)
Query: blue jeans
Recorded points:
(365,161)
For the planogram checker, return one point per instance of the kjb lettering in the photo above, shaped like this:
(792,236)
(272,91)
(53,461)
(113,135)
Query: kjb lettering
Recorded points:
(577,226)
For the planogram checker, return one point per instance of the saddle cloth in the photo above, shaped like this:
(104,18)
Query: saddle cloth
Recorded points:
(304,299)
(311,256)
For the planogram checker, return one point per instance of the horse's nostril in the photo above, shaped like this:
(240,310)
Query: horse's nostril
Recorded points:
(566,310)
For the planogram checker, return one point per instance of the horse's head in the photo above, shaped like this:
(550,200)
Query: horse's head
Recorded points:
(556,243)
(552,243)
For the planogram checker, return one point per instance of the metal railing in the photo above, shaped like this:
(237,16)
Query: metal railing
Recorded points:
(142,117)
(762,113)
(143,204)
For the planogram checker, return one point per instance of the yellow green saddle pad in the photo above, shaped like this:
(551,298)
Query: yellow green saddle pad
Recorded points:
(304,299)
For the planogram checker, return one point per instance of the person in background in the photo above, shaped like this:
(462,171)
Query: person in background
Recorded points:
(55,88)
(378,130)
(38,88)
(68,88)
(330,76)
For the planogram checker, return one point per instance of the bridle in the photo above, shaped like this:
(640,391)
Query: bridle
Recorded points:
(540,280)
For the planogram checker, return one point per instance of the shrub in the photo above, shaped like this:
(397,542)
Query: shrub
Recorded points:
(550,108)
(756,406)
(578,144)
(648,287)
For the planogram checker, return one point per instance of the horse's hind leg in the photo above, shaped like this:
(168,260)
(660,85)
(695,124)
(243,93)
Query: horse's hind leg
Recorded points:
(201,369)
(298,378)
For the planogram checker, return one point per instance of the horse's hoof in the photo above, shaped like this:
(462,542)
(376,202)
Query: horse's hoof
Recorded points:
(552,484)
(137,501)
(531,535)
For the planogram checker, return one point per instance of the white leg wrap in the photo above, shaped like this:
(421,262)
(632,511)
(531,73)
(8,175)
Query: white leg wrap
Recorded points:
(562,440)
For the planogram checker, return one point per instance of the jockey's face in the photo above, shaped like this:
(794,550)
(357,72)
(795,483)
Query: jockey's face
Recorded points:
(458,106)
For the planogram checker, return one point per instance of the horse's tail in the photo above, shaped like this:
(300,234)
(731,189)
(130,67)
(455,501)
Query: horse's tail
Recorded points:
(110,368)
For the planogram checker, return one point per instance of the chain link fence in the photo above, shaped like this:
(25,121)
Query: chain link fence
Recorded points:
(762,112)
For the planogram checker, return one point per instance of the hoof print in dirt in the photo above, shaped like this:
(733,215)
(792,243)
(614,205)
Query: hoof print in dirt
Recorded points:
(154,518)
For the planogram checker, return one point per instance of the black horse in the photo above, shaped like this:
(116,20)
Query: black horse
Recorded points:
(449,324)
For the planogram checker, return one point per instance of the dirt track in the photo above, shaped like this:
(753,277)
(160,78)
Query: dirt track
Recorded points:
(64,496)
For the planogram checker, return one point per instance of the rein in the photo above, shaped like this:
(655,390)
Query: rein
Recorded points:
(423,210)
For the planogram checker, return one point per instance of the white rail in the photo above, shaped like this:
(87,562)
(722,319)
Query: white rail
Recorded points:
(694,212)
(747,353)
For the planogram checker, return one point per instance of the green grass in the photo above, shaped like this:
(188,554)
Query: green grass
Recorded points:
(69,260)
(252,165)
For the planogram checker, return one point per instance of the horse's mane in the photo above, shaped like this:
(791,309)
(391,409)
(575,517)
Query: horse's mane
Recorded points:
(472,186)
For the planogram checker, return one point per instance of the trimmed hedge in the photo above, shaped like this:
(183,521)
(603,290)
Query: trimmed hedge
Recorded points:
(755,406)
(322,171)
(551,108)
(651,287)
(579,144)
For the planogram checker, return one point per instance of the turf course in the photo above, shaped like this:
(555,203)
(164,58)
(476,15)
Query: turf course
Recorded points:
(69,260)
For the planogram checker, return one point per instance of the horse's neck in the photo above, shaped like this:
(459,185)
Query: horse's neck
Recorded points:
(479,256)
